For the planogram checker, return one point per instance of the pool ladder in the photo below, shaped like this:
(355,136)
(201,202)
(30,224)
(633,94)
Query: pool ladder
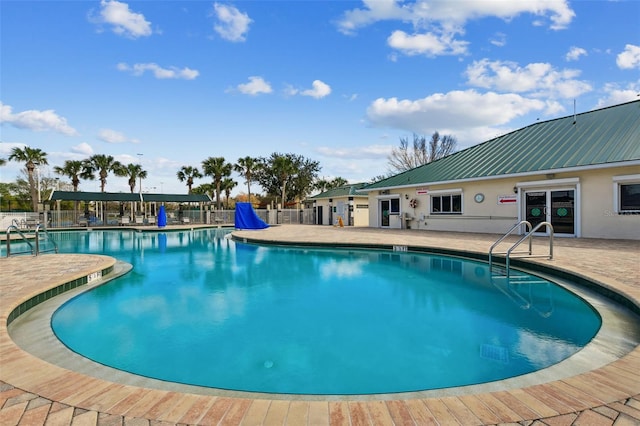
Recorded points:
(34,249)
(528,236)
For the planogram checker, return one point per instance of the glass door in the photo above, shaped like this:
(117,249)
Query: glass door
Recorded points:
(554,206)
(536,208)
(563,211)
(385,208)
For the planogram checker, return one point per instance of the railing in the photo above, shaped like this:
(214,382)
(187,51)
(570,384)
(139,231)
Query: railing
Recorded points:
(33,249)
(56,219)
(527,236)
(509,232)
(24,238)
(40,228)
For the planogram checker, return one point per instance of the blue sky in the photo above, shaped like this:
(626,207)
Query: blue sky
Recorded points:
(339,82)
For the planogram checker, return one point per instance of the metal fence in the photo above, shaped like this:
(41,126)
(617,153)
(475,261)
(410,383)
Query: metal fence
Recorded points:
(69,218)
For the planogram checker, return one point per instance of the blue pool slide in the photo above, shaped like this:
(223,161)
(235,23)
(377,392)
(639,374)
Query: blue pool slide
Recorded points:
(246,217)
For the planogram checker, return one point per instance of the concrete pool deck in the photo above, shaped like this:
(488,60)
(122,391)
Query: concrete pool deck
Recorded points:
(33,391)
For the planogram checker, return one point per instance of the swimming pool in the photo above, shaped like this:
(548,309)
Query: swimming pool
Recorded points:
(201,309)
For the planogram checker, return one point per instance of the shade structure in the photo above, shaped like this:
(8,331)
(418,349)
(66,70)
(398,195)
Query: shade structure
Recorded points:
(162,217)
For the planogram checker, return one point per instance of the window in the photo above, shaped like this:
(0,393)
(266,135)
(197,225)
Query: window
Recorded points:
(446,204)
(395,205)
(630,198)
(627,194)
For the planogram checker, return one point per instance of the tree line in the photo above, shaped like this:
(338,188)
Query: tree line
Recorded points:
(284,176)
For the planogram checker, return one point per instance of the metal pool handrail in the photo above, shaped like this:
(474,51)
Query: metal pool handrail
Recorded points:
(501,239)
(528,235)
(40,228)
(24,237)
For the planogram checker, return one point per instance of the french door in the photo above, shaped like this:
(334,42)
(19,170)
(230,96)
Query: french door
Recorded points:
(555,206)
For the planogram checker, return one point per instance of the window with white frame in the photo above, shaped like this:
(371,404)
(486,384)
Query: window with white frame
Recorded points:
(626,194)
(446,202)
(394,206)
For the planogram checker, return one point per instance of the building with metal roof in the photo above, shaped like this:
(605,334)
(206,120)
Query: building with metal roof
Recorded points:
(581,173)
(345,202)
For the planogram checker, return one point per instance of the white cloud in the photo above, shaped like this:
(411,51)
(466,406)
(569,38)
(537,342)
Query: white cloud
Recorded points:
(537,79)
(618,95)
(289,90)
(360,152)
(437,24)
(35,120)
(255,86)
(231,24)
(629,58)
(124,21)
(499,39)
(158,71)
(424,13)
(83,148)
(319,90)
(574,53)
(7,147)
(112,136)
(468,115)
(375,10)
(429,44)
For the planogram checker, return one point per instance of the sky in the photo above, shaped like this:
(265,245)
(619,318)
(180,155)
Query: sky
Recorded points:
(168,84)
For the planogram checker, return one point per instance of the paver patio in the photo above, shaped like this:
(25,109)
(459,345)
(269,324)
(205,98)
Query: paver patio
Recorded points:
(35,392)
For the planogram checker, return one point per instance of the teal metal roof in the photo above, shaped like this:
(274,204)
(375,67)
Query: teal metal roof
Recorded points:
(599,137)
(128,197)
(177,198)
(352,190)
(94,196)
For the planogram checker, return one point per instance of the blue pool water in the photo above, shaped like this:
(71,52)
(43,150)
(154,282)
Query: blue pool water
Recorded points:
(200,309)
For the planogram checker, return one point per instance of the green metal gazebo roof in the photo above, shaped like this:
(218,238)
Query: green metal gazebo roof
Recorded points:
(94,196)
(128,197)
(176,198)
(342,191)
(591,139)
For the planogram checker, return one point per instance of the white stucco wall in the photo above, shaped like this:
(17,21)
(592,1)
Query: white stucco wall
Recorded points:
(360,214)
(599,217)
(595,211)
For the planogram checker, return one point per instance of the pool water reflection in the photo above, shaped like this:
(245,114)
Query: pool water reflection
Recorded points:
(201,309)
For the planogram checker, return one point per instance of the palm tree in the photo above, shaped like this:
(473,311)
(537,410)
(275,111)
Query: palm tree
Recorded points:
(188,173)
(103,164)
(3,161)
(247,166)
(74,170)
(217,168)
(205,188)
(32,157)
(283,167)
(227,185)
(338,182)
(322,185)
(133,172)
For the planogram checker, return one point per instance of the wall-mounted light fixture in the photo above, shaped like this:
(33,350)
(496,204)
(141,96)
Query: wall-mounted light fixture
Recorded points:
(515,189)
(406,196)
